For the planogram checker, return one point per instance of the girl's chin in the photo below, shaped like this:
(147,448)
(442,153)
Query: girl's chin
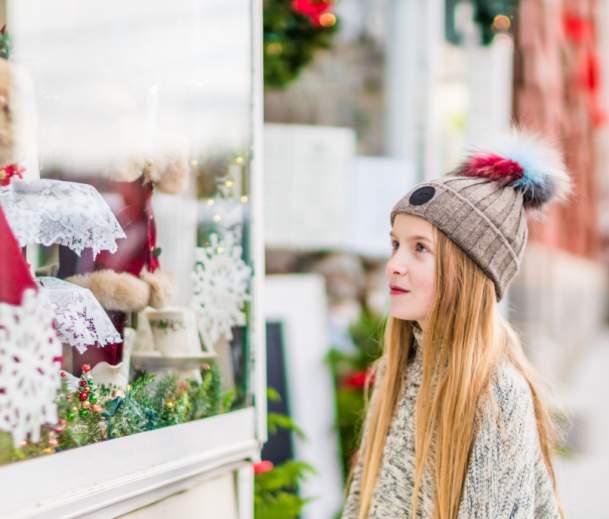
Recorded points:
(403,314)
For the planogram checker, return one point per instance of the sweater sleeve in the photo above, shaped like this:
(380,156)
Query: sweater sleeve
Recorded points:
(501,478)
(351,507)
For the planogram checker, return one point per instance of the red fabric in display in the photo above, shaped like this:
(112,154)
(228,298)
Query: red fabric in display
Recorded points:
(15,274)
(137,220)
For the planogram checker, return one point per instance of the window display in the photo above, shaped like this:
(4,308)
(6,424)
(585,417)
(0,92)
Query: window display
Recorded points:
(125,218)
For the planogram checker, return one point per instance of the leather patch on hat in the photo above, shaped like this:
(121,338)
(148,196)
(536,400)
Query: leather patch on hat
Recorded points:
(422,195)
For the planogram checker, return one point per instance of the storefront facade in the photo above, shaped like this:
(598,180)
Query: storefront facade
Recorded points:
(136,130)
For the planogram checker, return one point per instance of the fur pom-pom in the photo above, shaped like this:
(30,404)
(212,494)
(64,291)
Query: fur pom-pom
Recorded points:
(174,177)
(7,131)
(169,174)
(152,170)
(126,171)
(162,287)
(115,290)
(525,161)
(491,166)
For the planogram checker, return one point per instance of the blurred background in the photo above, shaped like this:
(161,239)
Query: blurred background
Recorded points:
(372,97)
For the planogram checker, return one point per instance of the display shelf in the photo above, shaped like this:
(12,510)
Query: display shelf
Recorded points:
(116,476)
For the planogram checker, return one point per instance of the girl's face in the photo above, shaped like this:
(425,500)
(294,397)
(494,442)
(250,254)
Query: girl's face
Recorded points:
(410,271)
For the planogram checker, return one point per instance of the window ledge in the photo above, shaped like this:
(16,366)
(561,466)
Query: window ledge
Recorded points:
(119,475)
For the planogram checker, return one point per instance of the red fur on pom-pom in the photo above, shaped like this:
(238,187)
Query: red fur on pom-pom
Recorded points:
(493,167)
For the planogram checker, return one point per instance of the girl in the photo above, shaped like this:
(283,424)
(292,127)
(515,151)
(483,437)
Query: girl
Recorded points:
(456,427)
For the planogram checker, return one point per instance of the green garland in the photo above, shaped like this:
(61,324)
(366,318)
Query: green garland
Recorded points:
(276,487)
(485,16)
(290,41)
(485,12)
(5,43)
(275,495)
(349,371)
(91,413)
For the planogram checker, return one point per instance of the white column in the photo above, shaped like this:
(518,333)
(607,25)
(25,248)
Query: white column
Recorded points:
(489,80)
(258,327)
(245,492)
(414,43)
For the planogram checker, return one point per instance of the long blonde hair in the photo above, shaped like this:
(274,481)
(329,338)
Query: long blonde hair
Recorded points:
(464,341)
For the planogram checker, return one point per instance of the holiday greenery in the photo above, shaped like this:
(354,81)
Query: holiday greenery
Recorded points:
(491,16)
(293,32)
(5,43)
(92,413)
(276,487)
(351,372)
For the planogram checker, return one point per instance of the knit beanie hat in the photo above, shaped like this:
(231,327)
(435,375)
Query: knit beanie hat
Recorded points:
(481,205)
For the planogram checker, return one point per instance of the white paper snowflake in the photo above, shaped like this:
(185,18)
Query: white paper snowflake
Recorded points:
(221,280)
(29,367)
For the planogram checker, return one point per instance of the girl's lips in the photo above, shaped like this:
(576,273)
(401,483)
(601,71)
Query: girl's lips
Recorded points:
(396,292)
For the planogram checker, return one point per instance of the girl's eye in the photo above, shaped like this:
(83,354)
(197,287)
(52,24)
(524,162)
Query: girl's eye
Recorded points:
(419,247)
(394,244)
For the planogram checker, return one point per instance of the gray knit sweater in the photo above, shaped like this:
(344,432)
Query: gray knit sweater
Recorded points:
(506,476)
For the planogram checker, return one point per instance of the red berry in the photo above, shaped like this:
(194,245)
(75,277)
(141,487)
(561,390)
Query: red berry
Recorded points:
(355,380)
(86,368)
(263,466)
(83,383)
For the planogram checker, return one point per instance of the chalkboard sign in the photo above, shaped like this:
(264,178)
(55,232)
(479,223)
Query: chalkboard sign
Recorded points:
(279,447)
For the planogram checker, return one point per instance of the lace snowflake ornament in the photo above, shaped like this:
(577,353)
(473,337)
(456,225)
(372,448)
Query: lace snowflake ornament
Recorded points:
(29,367)
(80,320)
(221,280)
(48,212)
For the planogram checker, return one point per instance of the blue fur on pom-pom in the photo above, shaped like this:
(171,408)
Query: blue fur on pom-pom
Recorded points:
(536,186)
(544,178)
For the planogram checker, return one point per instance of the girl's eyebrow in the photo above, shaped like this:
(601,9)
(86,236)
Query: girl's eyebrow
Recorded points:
(418,237)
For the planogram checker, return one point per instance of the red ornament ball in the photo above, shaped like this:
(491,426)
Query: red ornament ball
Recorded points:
(357,380)
(86,368)
(83,383)
(83,396)
(263,466)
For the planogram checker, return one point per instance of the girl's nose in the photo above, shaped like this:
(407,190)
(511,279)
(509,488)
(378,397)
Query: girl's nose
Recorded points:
(395,266)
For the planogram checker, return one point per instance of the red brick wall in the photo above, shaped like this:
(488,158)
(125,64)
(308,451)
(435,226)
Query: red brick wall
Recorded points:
(557,93)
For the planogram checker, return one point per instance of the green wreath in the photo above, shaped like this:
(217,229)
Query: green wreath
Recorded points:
(492,17)
(293,32)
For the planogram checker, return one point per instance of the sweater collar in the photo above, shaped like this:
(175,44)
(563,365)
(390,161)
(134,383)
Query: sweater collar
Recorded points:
(418,334)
